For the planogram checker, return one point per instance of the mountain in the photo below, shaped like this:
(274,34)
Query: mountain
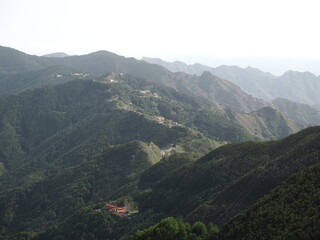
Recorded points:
(101,62)
(13,61)
(178,66)
(57,55)
(229,179)
(57,145)
(58,150)
(48,76)
(291,211)
(266,123)
(226,94)
(50,128)
(301,87)
(47,129)
(41,204)
(74,137)
(301,113)
(317,106)
(250,80)
(221,94)
(207,189)
(218,91)
(213,189)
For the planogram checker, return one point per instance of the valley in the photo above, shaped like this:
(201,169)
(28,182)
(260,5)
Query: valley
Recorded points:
(192,153)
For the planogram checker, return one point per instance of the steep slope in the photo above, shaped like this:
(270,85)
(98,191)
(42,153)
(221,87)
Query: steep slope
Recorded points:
(251,80)
(301,113)
(267,123)
(291,211)
(50,128)
(227,94)
(230,178)
(36,206)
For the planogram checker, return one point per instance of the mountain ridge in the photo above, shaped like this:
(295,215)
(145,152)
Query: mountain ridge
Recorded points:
(258,83)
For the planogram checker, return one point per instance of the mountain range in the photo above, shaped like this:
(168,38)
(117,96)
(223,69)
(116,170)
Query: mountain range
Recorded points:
(41,71)
(185,153)
(301,87)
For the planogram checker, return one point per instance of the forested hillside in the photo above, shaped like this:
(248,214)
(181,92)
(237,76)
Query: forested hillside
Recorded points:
(290,211)
(82,135)
(205,190)
(230,178)
(222,95)
(38,205)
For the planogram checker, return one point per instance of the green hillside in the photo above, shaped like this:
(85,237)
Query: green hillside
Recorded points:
(53,75)
(212,189)
(266,123)
(230,178)
(290,211)
(81,131)
(215,188)
(36,206)
(13,61)
(158,100)
(50,128)
(32,72)
(89,223)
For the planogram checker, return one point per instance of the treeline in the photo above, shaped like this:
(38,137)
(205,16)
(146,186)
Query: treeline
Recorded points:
(173,229)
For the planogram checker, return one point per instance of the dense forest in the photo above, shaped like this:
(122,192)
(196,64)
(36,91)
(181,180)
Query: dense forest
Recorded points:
(291,211)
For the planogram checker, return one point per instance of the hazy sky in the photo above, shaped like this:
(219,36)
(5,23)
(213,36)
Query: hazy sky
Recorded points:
(242,32)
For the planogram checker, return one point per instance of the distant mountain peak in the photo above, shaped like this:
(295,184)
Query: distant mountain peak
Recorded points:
(57,55)
(291,73)
(206,74)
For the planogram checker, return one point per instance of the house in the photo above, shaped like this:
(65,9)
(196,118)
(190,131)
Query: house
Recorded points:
(159,119)
(116,210)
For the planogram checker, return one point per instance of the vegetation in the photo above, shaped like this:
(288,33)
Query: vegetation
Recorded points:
(88,223)
(291,211)
(171,229)
(267,123)
(230,178)
(36,206)
(67,150)
(50,128)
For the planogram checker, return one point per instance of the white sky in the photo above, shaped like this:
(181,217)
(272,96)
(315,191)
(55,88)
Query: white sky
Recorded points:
(212,32)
